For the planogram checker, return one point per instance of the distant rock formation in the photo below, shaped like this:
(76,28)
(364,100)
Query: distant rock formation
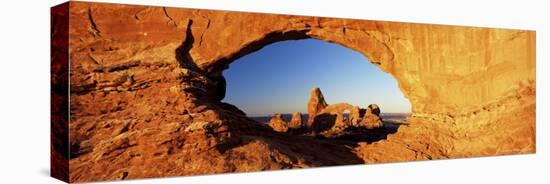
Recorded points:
(296,121)
(338,110)
(322,116)
(372,118)
(374,109)
(278,124)
(316,104)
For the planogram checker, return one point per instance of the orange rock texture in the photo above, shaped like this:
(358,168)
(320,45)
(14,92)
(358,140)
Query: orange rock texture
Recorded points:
(371,119)
(315,105)
(296,121)
(278,124)
(146,87)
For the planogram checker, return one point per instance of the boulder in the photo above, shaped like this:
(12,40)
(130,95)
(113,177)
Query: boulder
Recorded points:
(371,119)
(373,109)
(278,124)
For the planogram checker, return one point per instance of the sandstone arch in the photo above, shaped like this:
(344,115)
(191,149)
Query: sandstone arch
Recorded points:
(370,47)
(404,50)
(450,75)
(338,111)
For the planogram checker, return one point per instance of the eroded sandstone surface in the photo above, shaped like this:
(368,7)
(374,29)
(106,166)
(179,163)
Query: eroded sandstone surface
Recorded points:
(146,87)
(371,119)
(278,124)
(315,105)
(296,121)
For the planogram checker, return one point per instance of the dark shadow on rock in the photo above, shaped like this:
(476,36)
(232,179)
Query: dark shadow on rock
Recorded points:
(216,84)
(323,122)
(182,52)
(359,134)
(316,152)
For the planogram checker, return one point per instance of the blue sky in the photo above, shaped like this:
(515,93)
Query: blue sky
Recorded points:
(278,79)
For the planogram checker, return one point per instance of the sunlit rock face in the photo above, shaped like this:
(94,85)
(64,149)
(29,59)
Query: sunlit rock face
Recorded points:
(315,105)
(146,85)
(371,119)
(296,121)
(278,124)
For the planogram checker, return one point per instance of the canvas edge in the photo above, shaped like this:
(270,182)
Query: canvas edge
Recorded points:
(59,92)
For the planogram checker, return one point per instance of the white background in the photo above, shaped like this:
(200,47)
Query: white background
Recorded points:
(24,90)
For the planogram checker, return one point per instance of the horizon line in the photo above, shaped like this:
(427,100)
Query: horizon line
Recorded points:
(307,114)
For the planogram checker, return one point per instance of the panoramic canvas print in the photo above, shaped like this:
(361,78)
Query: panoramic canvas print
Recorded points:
(144,91)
